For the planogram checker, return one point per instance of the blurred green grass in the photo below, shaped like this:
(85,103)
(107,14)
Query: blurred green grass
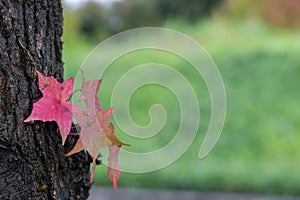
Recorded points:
(259,147)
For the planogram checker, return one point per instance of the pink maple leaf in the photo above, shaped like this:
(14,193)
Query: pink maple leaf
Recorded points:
(114,169)
(89,94)
(54,105)
(96,131)
(92,136)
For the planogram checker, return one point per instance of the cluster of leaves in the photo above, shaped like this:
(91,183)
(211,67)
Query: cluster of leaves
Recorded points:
(95,129)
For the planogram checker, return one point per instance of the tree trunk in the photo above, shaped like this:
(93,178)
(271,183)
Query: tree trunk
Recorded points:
(32,161)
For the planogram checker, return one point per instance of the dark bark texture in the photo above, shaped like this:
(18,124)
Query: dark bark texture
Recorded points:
(32,161)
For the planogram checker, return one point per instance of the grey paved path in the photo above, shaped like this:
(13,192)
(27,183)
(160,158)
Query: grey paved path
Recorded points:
(106,193)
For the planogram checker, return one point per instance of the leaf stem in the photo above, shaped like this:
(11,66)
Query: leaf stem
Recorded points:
(77,90)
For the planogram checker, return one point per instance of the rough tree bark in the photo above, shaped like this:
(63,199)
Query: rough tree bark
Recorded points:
(32,161)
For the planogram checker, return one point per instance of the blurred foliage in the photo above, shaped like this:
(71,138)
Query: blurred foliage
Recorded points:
(190,10)
(94,21)
(276,12)
(283,13)
(136,13)
(97,22)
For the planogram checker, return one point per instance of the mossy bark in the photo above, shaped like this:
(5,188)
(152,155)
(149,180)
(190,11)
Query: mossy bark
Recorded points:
(32,161)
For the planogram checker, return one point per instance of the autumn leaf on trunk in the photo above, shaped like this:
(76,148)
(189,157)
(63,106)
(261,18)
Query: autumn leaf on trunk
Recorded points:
(54,105)
(96,131)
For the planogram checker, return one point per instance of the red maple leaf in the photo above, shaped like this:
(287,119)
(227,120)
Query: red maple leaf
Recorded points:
(54,105)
